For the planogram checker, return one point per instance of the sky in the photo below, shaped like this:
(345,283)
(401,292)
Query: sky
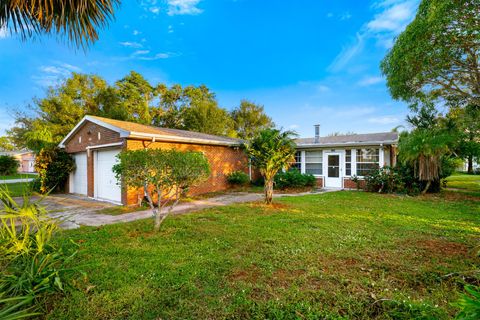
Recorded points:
(307,61)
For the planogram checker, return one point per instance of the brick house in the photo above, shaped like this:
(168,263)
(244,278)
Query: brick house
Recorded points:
(335,160)
(95,142)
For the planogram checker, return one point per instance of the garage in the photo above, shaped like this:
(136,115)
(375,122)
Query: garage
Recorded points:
(106,186)
(78,178)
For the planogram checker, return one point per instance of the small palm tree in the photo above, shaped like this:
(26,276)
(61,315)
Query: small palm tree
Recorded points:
(271,150)
(424,149)
(79,19)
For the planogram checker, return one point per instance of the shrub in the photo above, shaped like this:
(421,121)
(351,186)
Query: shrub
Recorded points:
(238,178)
(399,179)
(30,264)
(53,166)
(8,165)
(294,179)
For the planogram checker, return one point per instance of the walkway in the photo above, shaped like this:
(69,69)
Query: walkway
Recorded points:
(16,180)
(72,220)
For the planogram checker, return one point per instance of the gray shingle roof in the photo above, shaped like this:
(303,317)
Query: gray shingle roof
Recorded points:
(353,139)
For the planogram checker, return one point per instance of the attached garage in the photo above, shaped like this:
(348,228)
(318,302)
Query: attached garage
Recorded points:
(106,185)
(78,178)
(95,142)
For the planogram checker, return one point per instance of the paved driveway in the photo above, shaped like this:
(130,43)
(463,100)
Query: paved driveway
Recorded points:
(75,211)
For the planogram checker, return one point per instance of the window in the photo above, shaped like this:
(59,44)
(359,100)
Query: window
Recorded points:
(367,160)
(348,162)
(313,162)
(297,164)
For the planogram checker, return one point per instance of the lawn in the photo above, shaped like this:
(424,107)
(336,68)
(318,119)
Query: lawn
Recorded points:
(464,182)
(17,189)
(334,255)
(18,176)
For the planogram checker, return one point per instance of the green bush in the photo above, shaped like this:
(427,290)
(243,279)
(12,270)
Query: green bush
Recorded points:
(238,178)
(30,264)
(294,179)
(469,304)
(399,179)
(8,165)
(53,166)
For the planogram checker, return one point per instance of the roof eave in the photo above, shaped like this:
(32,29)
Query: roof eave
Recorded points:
(160,137)
(346,144)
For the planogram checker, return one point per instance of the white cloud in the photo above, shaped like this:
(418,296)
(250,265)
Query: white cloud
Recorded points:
(170,29)
(323,88)
(131,44)
(140,52)
(390,20)
(345,16)
(52,74)
(136,32)
(156,56)
(155,10)
(183,7)
(330,15)
(384,120)
(368,81)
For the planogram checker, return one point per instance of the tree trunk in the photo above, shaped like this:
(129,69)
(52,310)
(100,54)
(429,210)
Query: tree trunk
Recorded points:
(470,164)
(429,183)
(268,191)
(158,216)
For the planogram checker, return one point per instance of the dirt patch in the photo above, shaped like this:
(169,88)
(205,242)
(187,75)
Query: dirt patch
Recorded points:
(271,208)
(249,275)
(459,196)
(443,248)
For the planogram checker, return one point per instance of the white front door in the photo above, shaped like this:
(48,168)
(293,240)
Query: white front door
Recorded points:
(106,186)
(78,178)
(333,178)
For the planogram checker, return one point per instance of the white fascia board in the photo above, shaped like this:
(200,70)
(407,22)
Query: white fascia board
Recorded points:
(161,137)
(346,144)
(96,121)
(108,145)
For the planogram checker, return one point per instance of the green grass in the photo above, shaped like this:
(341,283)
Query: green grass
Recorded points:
(17,189)
(18,176)
(464,182)
(336,255)
(118,210)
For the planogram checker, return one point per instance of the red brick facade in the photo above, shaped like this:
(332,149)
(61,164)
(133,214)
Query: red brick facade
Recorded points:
(348,183)
(223,159)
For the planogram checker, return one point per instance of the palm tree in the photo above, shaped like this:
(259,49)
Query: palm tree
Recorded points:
(78,19)
(424,149)
(271,150)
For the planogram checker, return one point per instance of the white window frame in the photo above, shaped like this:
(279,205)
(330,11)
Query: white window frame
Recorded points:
(304,163)
(380,158)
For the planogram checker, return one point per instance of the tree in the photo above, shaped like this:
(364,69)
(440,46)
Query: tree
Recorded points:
(249,119)
(8,165)
(208,117)
(467,122)
(438,54)
(164,174)
(6,144)
(136,94)
(78,20)
(270,151)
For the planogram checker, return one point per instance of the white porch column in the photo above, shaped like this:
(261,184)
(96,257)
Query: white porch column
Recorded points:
(354,162)
(302,163)
(381,159)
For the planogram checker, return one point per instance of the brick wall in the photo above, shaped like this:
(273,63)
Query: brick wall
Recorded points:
(320,182)
(223,160)
(349,184)
(91,134)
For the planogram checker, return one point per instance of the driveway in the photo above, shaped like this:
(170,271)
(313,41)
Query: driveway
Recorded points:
(75,211)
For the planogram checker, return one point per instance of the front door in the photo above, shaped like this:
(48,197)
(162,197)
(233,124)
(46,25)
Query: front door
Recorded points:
(333,177)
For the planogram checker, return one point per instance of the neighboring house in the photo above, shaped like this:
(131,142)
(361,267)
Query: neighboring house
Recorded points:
(95,142)
(335,160)
(25,158)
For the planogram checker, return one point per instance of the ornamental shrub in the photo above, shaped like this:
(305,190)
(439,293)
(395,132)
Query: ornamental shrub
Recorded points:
(238,178)
(294,179)
(8,165)
(53,166)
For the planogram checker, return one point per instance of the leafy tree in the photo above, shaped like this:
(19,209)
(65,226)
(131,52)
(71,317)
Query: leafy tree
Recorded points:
(78,20)
(6,144)
(136,94)
(207,117)
(8,165)
(438,54)
(249,119)
(53,166)
(164,174)
(270,151)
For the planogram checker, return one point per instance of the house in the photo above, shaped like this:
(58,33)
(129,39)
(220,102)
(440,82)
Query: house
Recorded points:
(336,160)
(25,158)
(95,141)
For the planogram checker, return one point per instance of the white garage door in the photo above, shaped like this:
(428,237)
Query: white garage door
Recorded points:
(106,187)
(78,178)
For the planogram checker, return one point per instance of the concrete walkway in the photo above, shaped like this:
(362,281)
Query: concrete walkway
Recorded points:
(16,180)
(74,220)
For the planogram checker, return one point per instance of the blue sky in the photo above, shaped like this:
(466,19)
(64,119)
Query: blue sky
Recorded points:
(306,61)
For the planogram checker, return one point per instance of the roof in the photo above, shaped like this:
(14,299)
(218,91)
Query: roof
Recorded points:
(128,129)
(15,152)
(352,139)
